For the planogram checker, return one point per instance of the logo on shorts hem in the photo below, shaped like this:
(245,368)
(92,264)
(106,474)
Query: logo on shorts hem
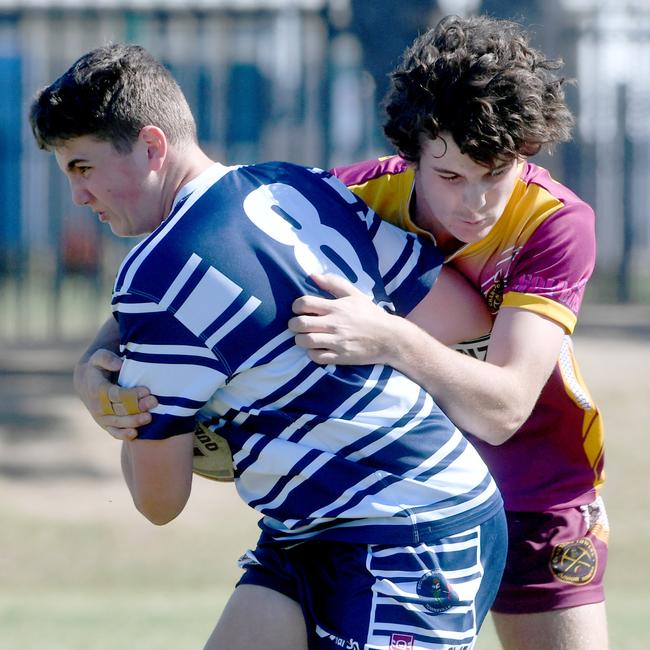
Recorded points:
(574,562)
(337,641)
(401,641)
(435,592)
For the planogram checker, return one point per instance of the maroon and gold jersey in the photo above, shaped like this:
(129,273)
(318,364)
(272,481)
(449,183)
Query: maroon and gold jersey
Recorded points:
(538,257)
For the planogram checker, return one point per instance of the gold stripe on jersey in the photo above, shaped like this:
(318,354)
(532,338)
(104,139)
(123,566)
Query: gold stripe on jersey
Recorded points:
(389,195)
(592,425)
(543,306)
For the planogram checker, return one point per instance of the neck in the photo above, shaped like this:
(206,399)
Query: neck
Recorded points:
(185,165)
(449,245)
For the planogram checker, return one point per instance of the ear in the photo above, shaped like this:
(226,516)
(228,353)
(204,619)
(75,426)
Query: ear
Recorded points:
(156,145)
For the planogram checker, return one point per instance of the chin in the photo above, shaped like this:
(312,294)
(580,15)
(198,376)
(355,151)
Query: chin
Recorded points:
(121,232)
(475,236)
(117,231)
(468,238)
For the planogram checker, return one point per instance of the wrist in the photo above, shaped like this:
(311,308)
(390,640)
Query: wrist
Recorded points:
(394,342)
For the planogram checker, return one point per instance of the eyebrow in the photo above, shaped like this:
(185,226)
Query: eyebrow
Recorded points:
(443,170)
(488,170)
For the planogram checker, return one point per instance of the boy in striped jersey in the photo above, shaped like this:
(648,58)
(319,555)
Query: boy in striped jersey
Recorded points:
(469,103)
(381,526)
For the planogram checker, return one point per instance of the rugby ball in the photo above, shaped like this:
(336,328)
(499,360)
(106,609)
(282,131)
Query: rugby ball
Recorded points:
(212,455)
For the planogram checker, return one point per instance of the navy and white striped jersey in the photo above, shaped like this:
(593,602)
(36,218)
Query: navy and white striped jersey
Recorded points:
(349,453)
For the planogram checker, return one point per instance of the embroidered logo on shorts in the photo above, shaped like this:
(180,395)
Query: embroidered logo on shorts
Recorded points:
(575,562)
(436,593)
(401,641)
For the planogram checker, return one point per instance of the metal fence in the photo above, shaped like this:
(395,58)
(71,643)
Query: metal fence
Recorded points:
(285,79)
(258,85)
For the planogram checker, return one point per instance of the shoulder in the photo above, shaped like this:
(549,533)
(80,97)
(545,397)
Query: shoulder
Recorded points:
(369,170)
(542,208)
(538,179)
(283,172)
(311,182)
(559,215)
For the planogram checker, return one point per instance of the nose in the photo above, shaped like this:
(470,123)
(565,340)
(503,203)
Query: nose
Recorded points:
(475,196)
(80,195)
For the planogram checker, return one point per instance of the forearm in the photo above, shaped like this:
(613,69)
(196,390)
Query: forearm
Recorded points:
(481,398)
(490,399)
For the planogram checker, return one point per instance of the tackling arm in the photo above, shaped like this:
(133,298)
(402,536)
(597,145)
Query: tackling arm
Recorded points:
(354,330)
(488,399)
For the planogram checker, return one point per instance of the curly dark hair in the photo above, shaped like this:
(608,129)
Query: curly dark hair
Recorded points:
(478,79)
(110,93)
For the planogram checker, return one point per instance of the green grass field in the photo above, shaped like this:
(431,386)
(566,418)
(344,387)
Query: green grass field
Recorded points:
(81,570)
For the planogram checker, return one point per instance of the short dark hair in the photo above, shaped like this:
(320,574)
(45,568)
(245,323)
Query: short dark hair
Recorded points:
(110,93)
(479,79)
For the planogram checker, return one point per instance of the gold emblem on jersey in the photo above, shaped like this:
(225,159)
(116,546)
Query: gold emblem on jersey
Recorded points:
(494,296)
(574,562)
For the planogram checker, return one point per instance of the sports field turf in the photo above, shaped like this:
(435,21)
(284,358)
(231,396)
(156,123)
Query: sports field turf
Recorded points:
(81,570)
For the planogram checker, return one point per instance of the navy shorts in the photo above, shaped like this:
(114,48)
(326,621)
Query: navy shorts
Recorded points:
(556,559)
(430,596)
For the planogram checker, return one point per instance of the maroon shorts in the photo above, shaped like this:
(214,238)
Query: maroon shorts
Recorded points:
(556,559)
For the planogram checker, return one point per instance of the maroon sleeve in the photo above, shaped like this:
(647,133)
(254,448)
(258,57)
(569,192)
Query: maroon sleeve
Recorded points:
(558,259)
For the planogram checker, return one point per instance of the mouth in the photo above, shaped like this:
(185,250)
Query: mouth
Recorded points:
(473,223)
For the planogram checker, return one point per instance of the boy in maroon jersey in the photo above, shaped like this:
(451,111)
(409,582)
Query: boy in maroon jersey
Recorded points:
(470,102)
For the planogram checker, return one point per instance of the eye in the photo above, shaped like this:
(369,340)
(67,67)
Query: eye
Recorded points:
(81,170)
(453,178)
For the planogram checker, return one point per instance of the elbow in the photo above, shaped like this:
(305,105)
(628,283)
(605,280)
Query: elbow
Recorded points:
(501,426)
(157,517)
(496,436)
(158,474)
(160,509)
(157,514)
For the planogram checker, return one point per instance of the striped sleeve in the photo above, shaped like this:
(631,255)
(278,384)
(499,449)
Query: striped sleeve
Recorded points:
(161,352)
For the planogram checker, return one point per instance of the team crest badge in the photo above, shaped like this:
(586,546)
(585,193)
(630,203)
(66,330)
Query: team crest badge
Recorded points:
(494,296)
(574,562)
(436,592)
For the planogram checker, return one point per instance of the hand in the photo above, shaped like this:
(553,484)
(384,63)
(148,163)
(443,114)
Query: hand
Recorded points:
(120,411)
(347,330)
